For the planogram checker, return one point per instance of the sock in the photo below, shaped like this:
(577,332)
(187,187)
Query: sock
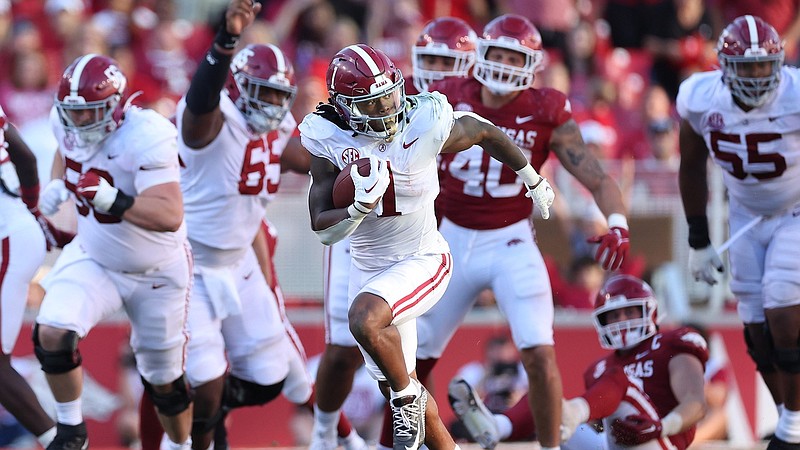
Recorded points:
(47,437)
(69,413)
(504,426)
(411,389)
(325,422)
(788,429)
(457,447)
(176,446)
(780,408)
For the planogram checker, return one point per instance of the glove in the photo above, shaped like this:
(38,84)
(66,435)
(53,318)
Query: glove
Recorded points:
(701,261)
(53,195)
(369,189)
(96,191)
(52,235)
(543,195)
(636,429)
(574,412)
(613,249)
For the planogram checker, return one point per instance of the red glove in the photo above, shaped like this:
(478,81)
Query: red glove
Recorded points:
(52,235)
(636,429)
(613,249)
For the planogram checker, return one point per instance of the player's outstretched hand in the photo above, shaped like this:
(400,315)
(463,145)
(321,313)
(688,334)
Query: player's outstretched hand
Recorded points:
(701,263)
(240,14)
(53,195)
(542,195)
(635,429)
(370,189)
(613,248)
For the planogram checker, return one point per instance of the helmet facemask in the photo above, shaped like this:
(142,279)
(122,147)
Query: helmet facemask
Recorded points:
(628,333)
(751,91)
(261,115)
(73,108)
(503,78)
(423,77)
(364,112)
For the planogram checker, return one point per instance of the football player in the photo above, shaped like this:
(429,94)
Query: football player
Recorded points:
(120,165)
(742,116)
(487,219)
(22,251)
(400,262)
(648,393)
(445,48)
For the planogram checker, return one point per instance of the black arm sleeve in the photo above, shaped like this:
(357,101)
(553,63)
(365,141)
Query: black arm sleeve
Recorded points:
(207,82)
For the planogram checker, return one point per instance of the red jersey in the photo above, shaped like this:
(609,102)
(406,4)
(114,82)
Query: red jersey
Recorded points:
(478,191)
(647,367)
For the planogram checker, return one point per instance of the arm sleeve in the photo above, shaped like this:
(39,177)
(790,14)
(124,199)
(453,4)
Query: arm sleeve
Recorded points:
(207,82)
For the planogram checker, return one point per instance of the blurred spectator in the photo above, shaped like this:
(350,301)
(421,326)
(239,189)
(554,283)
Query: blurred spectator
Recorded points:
(394,26)
(578,290)
(65,19)
(681,39)
(553,18)
(714,425)
(476,13)
(27,95)
(311,91)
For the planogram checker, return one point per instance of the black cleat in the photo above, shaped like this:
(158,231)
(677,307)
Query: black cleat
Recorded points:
(777,444)
(70,437)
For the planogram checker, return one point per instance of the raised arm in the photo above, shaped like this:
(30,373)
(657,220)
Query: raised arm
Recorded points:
(202,119)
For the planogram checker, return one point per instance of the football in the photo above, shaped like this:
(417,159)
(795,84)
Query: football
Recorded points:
(344,191)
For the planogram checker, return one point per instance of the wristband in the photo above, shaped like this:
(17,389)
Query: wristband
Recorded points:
(122,203)
(529,176)
(617,220)
(225,39)
(698,232)
(29,195)
(357,211)
(671,424)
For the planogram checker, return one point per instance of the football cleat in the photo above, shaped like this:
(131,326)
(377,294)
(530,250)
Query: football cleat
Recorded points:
(778,444)
(70,437)
(353,442)
(408,419)
(471,411)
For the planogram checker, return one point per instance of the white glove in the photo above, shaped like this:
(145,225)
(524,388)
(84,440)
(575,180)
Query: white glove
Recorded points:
(369,189)
(543,195)
(701,261)
(53,195)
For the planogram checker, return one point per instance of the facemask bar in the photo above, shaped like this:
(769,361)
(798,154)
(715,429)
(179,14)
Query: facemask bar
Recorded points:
(627,333)
(503,78)
(260,115)
(98,128)
(751,91)
(424,77)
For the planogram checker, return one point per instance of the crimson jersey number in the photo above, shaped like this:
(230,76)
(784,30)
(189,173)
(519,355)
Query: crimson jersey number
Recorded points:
(83,206)
(771,165)
(260,164)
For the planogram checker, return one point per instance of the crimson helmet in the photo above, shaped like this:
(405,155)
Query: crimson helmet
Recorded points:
(256,70)
(448,37)
(749,40)
(619,292)
(511,32)
(367,91)
(90,88)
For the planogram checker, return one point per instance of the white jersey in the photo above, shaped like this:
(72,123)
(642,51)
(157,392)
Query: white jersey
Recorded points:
(403,223)
(759,150)
(140,154)
(13,213)
(227,184)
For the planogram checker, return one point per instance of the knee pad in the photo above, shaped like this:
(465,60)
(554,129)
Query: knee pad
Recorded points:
(170,403)
(788,359)
(66,358)
(764,360)
(239,392)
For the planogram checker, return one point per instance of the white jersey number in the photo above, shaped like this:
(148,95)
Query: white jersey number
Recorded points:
(485,175)
(260,164)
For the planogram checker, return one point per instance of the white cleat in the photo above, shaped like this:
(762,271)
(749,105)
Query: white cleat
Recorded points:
(471,411)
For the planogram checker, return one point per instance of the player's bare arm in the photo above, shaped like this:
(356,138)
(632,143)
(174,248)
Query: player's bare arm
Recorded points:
(692,173)
(202,119)
(23,158)
(157,208)
(688,385)
(567,144)
(295,158)
(468,131)
(320,197)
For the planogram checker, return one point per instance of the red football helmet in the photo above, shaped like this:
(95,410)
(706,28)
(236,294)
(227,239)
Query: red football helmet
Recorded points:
(263,86)
(88,100)
(743,49)
(510,32)
(367,91)
(448,37)
(620,292)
